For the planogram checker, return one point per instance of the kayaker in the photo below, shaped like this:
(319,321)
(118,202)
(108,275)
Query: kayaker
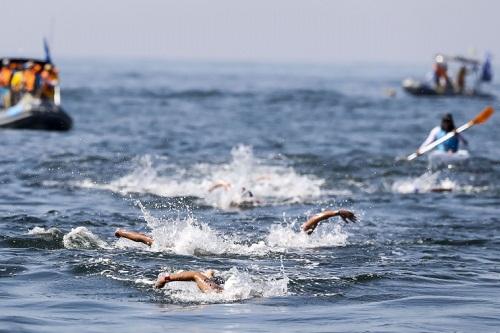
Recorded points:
(447,125)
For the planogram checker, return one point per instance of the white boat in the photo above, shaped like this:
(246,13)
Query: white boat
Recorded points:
(440,158)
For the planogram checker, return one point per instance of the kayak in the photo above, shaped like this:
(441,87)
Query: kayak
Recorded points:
(439,158)
(33,113)
(417,88)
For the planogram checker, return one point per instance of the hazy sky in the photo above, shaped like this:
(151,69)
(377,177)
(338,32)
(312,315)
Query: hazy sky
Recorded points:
(253,30)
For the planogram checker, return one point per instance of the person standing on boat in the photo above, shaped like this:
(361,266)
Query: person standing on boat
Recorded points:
(49,80)
(16,83)
(460,84)
(441,78)
(5,76)
(447,125)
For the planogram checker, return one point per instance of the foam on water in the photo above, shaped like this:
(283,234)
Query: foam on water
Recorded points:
(43,231)
(428,182)
(82,238)
(268,183)
(285,236)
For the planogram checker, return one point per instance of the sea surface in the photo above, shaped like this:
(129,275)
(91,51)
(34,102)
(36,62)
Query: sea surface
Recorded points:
(151,138)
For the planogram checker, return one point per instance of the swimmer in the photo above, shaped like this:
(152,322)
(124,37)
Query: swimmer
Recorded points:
(311,224)
(206,281)
(247,197)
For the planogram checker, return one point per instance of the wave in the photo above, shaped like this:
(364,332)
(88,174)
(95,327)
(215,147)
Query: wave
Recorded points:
(250,181)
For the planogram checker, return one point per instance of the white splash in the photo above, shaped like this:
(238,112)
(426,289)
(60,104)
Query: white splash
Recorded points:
(284,236)
(43,231)
(268,183)
(428,182)
(188,236)
(82,238)
(238,286)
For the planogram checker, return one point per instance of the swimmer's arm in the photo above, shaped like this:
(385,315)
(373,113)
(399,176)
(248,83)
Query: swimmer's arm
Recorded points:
(134,236)
(201,280)
(312,223)
(218,184)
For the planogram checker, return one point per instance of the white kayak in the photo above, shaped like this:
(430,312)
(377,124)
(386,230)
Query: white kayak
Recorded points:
(438,157)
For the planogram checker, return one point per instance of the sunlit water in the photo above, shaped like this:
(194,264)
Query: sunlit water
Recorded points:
(151,139)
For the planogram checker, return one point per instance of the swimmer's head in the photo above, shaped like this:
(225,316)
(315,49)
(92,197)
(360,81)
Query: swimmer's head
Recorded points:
(219,280)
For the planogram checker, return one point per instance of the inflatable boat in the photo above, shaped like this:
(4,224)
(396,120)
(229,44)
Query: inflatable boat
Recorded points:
(418,88)
(39,108)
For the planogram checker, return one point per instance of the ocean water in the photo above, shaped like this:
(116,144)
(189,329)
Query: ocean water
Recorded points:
(152,137)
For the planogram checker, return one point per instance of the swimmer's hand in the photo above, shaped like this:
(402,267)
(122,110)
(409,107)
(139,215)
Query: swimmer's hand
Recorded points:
(347,216)
(161,281)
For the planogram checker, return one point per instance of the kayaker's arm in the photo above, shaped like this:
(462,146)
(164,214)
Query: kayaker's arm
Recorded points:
(430,138)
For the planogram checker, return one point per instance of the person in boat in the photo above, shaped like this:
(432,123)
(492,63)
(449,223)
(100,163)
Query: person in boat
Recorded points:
(447,125)
(30,78)
(460,83)
(5,76)
(441,79)
(16,83)
(49,80)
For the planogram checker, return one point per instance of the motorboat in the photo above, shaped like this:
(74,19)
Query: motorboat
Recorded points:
(32,110)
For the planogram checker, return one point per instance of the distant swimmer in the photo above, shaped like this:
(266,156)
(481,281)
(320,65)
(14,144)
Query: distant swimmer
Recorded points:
(447,125)
(311,224)
(247,198)
(206,281)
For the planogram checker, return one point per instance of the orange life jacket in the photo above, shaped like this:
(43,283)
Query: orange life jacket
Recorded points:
(29,80)
(5,74)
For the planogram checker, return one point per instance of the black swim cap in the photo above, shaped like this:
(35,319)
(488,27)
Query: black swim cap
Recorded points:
(219,280)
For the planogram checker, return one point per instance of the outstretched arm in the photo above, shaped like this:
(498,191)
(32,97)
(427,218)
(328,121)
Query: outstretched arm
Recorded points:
(202,281)
(312,223)
(220,183)
(134,236)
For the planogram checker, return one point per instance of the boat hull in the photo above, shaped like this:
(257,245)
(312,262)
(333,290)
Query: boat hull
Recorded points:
(420,89)
(36,115)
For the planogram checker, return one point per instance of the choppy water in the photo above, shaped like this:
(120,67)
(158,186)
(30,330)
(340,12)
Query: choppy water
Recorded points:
(151,138)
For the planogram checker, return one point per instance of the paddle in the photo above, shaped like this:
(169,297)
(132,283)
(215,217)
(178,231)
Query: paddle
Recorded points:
(479,119)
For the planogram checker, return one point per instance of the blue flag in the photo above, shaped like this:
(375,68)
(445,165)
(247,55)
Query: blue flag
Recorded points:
(486,71)
(47,51)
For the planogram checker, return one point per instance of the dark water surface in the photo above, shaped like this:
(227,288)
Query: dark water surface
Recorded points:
(150,140)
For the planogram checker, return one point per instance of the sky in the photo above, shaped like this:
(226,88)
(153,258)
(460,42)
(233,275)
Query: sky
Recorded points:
(335,31)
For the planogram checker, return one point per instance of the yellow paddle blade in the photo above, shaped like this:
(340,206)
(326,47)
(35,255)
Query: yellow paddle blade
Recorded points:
(483,116)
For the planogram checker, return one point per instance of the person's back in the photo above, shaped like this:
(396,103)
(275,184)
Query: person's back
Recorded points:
(449,145)
(447,125)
